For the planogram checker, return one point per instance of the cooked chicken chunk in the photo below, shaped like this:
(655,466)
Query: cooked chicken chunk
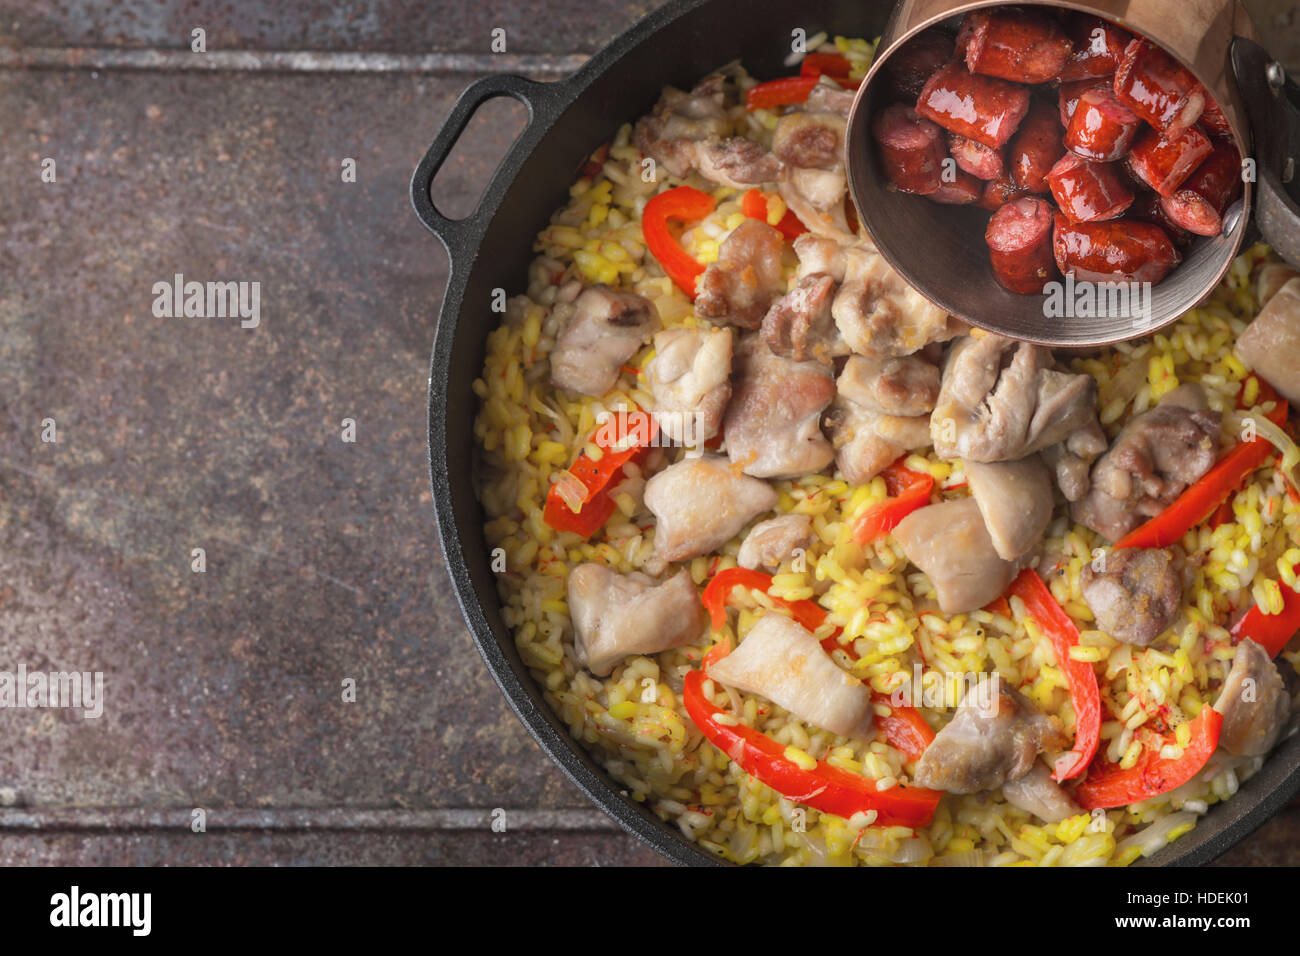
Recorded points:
(866,441)
(830,97)
(988,742)
(1001,400)
(1153,460)
(1254,703)
(821,256)
(1072,459)
(618,615)
(606,329)
(881,316)
(771,542)
(737,162)
(810,144)
(690,379)
(1271,344)
(810,139)
(818,198)
(688,132)
(799,324)
(1137,594)
(702,503)
(772,425)
(907,386)
(741,285)
(880,413)
(781,661)
(951,544)
(672,132)
(1037,793)
(1270,279)
(1015,499)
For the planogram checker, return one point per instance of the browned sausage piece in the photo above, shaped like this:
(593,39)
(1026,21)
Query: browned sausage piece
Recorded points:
(975,158)
(1158,88)
(915,62)
(1147,207)
(1087,191)
(1119,250)
(998,192)
(1163,162)
(1214,119)
(1036,147)
(1069,96)
(911,149)
(1198,206)
(981,108)
(1024,46)
(962,191)
(1098,47)
(1102,128)
(1019,236)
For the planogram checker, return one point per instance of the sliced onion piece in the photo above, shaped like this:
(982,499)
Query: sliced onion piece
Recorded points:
(1156,836)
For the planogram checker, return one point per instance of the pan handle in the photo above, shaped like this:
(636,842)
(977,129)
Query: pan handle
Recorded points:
(1273,103)
(537,98)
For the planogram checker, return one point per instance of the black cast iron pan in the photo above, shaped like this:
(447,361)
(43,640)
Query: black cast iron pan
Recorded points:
(491,248)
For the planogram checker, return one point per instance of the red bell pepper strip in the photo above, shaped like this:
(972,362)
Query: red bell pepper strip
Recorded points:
(716,653)
(908,490)
(788,90)
(777,93)
(1266,393)
(1223,514)
(598,477)
(825,787)
(1109,786)
(1202,499)
(754,205)
(999,606)
(1084,693)
(684,203)
(904,729)
(834,65)
(1271,631)
(807,613)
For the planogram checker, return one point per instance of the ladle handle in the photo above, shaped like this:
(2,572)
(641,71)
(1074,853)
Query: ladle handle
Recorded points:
(1273,104)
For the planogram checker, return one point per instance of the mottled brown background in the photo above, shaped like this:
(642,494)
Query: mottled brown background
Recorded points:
(223,688)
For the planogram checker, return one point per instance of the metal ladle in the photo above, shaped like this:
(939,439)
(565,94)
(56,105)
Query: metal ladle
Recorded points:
(941,250)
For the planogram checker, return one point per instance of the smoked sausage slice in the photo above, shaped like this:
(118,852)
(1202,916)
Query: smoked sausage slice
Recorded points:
(1102,128)
(982,108)
(1118,250)
(1158,88)
(1019,237)
(1199,204)
(1024,46)
(918,60)
(975,158)
(911,149)
(1164,162)
(1087,191)
(1036,147)
(1098,47)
